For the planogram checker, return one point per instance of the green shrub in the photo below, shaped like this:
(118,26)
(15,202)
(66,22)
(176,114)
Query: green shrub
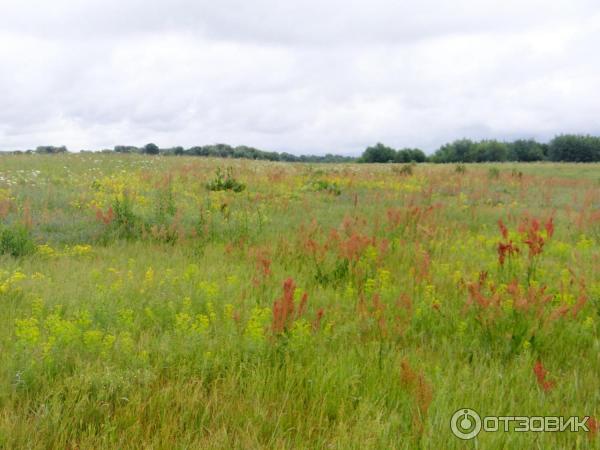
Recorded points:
(323,185)
(16,240)
(225,182)
(404,169)
(125,224)
(494,173)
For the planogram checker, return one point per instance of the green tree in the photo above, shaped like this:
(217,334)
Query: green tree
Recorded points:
(150,149)
(378,154)
(490,151)
(525,150)
(576,148)
(461,150)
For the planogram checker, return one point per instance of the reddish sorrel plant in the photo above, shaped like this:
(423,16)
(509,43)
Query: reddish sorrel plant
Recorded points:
(105,217)
(574,309)
(513,315)
(316,324)
(262,263)
(374,321)
(540,374)
(354,246)
(337,255)
(422,392)
(533,238)
(284,309)
(408,222)
(423,264)
(531,300)
(506,248)
(593,426)
(404,314)
(477,296)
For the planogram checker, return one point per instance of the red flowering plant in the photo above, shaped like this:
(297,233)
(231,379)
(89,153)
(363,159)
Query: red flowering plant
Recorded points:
(350,251)
(541,375)
(509,318)
(506,247)
(287,312)
(533,236)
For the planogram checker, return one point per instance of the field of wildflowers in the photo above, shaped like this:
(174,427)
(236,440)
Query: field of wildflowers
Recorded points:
(148,304)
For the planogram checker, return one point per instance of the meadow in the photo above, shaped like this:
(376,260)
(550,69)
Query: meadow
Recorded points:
(183,302)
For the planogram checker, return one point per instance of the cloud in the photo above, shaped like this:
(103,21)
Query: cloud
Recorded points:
(303,77)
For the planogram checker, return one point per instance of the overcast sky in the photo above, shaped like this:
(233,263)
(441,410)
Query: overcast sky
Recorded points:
(309,76)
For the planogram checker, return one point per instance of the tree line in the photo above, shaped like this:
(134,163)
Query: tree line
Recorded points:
(214,151)
(566,147)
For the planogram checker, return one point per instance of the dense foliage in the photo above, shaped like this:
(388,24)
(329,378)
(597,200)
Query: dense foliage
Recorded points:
(383,154)
(563,148)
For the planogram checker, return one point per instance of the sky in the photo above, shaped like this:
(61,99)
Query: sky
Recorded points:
(305,77)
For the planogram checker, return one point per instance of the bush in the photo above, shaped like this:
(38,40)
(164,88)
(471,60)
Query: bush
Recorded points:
(16,241)
(405,169)
(125,225)
(225,182)
(516,173)
(323,185)
(460,168)
(151,149)
(494,173)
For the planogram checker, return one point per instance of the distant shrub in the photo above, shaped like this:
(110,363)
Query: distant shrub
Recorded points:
(164,203)
(460,168)
(51,149)
(151,149)
(225,182)
(494,173)
(124,224)
(16,240)
(323,186)
(404,169)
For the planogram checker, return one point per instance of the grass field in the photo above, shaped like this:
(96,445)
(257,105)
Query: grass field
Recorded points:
(323,306)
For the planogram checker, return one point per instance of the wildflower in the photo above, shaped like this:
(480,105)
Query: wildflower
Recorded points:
(81,250)
(588,322)
(422,392)
(283,308)
(201,324)
(506,249)
(593,426)
(503,229)
(149,276)
(317,322)
(540,374)
(299,333)
(92,339)
(27,330)
(255,328)
(45,250)
(549,226)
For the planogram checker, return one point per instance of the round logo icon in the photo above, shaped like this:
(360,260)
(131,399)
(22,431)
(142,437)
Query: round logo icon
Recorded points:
(465,423)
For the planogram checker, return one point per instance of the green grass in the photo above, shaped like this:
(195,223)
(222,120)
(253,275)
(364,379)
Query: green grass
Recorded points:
(162,324)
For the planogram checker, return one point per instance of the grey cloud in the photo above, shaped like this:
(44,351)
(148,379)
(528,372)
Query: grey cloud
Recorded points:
(309,76)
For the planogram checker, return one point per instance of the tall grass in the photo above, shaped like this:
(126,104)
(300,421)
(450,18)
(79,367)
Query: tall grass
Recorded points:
(156,313)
